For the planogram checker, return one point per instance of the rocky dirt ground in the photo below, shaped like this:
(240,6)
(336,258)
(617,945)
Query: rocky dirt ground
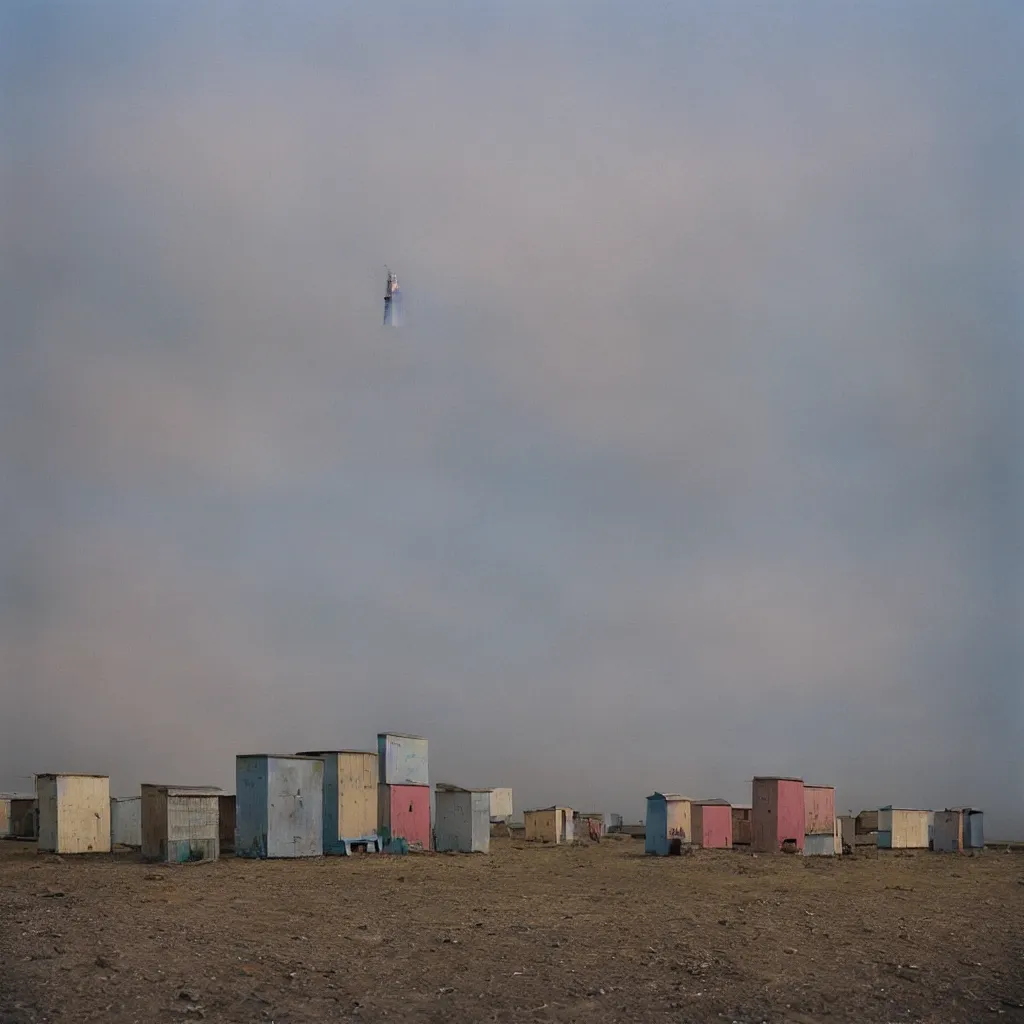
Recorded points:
(595,932)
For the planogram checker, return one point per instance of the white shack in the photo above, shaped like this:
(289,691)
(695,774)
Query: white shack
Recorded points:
(501,804)
(180,823)
(74,813)
(462,820)
(126,821)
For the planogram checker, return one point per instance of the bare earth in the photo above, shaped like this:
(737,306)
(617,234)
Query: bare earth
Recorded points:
(582,933)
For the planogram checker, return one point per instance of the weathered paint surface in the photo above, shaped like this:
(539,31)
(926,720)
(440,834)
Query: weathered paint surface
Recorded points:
(819,810)
(777,814)
(948,834)
(403,759)
(848,830)
(712,826)
(741,834)
(404,813)
(227,816)
(126,821)
(350,796)
(23,817)
(867,822)
(462,820)
(974,830)
(549,825)
(820,845)
(180,823)
(74,813)
(906,829)
(501,804)
(278,806)
(669,817)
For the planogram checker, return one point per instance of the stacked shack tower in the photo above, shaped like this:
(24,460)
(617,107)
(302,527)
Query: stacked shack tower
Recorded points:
(403,795)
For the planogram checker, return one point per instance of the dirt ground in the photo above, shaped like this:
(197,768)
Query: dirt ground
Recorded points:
(595,932)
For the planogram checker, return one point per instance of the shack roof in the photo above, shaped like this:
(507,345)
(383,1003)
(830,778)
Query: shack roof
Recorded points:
(284,757)
(69,775)
(402,735)
(812,785)
(184,790)
(669,796)
(17,796)
(777,778)
(448,787)
(324,753)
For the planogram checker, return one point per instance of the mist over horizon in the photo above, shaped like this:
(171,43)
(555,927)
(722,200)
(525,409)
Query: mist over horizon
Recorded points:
(697,458)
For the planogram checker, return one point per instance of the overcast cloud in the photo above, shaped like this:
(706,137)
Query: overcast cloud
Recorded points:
(700,455)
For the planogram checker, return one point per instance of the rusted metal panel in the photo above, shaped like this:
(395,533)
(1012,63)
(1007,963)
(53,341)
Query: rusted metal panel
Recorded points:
(180,823)
(17,818)
(741,834)
(820,845)
(227,815)
(948,832)
(126,821)
(548,825)
(711,825)
(867,822)
(403,759)
(819,810)
(404,813)
(848,830)
(974,829)
(279,806)
(74,813)
(777,813)
(462,819)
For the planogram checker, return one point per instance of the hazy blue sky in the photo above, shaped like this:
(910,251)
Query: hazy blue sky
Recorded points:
(700,456)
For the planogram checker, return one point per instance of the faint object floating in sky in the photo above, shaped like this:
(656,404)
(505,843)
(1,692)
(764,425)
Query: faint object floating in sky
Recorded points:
(392,302)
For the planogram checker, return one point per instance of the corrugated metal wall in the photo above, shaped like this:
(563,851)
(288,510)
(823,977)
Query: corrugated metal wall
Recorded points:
(820,845)
(819,810)
(947,834)
(462,821)
(126,821)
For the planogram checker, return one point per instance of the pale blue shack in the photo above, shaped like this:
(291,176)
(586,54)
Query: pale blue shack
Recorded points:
(462,819)
(279,806)
(402,759)
(668,824)
(974,829)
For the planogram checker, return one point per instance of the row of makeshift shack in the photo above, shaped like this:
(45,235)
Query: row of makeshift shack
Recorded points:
(293,805)
(787,813)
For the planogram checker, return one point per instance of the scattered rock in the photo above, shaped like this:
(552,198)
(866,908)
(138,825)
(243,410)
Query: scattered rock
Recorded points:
(188,995)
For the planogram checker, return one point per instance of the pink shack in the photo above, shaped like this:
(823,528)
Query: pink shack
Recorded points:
(403,812)
(711,824)
(777,815)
